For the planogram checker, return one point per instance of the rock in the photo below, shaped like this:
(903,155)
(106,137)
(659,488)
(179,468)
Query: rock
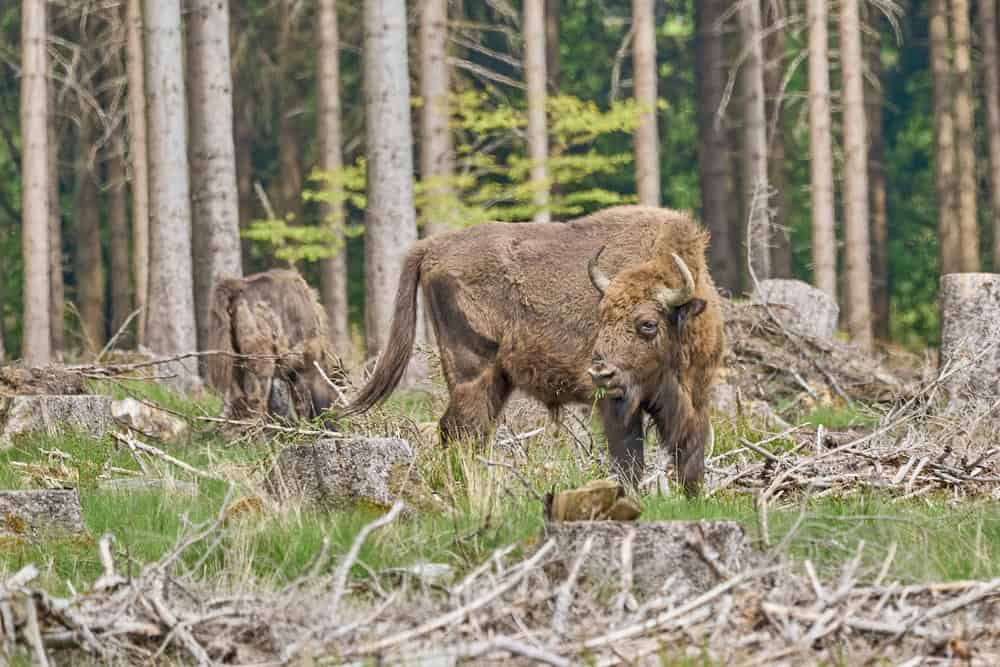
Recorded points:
(801,307)
(148,420)
(696,554)
(35,513)
(970,337)
(597,499)
(337,471)
(22,415)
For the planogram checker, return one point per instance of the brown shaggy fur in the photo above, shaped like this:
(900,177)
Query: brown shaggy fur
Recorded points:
(276,315)
(513,306)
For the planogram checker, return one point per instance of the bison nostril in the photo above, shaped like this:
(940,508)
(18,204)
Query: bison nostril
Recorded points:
(601,372)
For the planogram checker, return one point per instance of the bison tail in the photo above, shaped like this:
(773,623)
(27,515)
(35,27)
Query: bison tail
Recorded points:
(396,356)
(219,367)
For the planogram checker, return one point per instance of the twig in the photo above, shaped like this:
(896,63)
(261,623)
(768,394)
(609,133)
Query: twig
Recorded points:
(564,595)
(118,334)
(340,577)
(34,634)
(132,441)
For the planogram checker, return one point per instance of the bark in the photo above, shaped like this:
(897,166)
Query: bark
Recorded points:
(970,342)
(858,266)
(949,232)
(877,186)
(214,198)
(288,104)
(965,139)
(436,152)
(170,319)
(713,159)
(333,270)
(138,150)
(824,239)
(552,12)
(390,221)
(533,25)
(755,182)
(57,287)
(991,76)
(774,50)
(121,287)
(89,259)
(647,154)
(36,348)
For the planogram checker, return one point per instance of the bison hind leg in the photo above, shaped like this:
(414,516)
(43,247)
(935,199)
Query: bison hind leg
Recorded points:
(474,406)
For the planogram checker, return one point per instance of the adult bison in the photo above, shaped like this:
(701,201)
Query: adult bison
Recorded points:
(619,301)
(271,331)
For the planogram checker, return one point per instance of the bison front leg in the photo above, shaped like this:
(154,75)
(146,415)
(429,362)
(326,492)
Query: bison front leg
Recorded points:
(623,430)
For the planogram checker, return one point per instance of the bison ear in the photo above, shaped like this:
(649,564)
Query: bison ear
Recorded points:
(681,314)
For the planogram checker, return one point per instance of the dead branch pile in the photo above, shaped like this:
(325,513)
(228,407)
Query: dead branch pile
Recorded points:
(18,379)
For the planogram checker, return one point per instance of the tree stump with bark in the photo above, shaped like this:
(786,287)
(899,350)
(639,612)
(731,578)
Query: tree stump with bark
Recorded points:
(800,307)
(30,514)
(46,413)
(969,363)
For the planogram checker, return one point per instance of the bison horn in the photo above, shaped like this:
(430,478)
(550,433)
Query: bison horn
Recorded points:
(678,296)
(598,277)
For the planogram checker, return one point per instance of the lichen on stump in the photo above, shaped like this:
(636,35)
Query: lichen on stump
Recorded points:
(970,337)
(32,514)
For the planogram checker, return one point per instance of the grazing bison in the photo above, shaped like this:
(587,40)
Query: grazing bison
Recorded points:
(619,301)
(275,318)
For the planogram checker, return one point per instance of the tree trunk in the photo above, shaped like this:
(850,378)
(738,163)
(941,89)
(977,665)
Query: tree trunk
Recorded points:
(136,75)
(949,231)
(390,221)
(533,25)
(121,288)
(57,287)
(552,11)
(647,154)
(965,138)
(436,157)
(970,343)
(89,259)
(36,346)
(214,198)
(774,51)
(824,238)
(755,183)
(288,104)
(858,266)
(877,183)
(333,269)
(991,76)
(170,320)
(713,159)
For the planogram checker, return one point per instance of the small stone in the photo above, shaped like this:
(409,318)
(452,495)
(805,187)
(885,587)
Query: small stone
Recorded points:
(801,307)
(148,420)
(31,514)
(51,413)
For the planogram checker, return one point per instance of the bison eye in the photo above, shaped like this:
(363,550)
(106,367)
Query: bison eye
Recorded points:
(648,328)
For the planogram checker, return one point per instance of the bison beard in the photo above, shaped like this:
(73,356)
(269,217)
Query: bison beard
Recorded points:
(620,300)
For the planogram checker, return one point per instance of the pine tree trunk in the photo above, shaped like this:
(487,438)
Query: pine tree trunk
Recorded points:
(533,25)
(36,346)
(965,138)
(289,160)
(774,70)
(552,11)
(214,197)
(824,239)
(436,157)
(877,182)
(856,237)
(332,270)
(57,286)
(139,152)
(170,319)
(121,288)
(949,231)
(755,182)
(89,258)
(390,221)
(647,154)
(991,76)
(714,164)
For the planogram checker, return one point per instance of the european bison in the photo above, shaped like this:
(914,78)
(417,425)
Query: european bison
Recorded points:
(619,301)
(276,320)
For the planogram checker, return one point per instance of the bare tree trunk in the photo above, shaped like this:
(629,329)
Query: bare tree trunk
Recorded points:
(36,346)
(288,102)
(136,75)
(824,239)
(244,180)
(390,221)
(991,76)
(533,25)
(332,270)
(858,266)
(755,182)
(214,198)
(552,10)
(647,154)
(436,152)
(170,320)
(57,287)
(949,231)
(89,258)
(121,287)
(965,138)
(774,51)
(877,183)
(715,168)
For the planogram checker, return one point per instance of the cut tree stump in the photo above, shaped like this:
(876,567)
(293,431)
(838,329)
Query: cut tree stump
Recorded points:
(335,471)
(802,308)
(970,336)
(31,514)
(696,555)
(50,413)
